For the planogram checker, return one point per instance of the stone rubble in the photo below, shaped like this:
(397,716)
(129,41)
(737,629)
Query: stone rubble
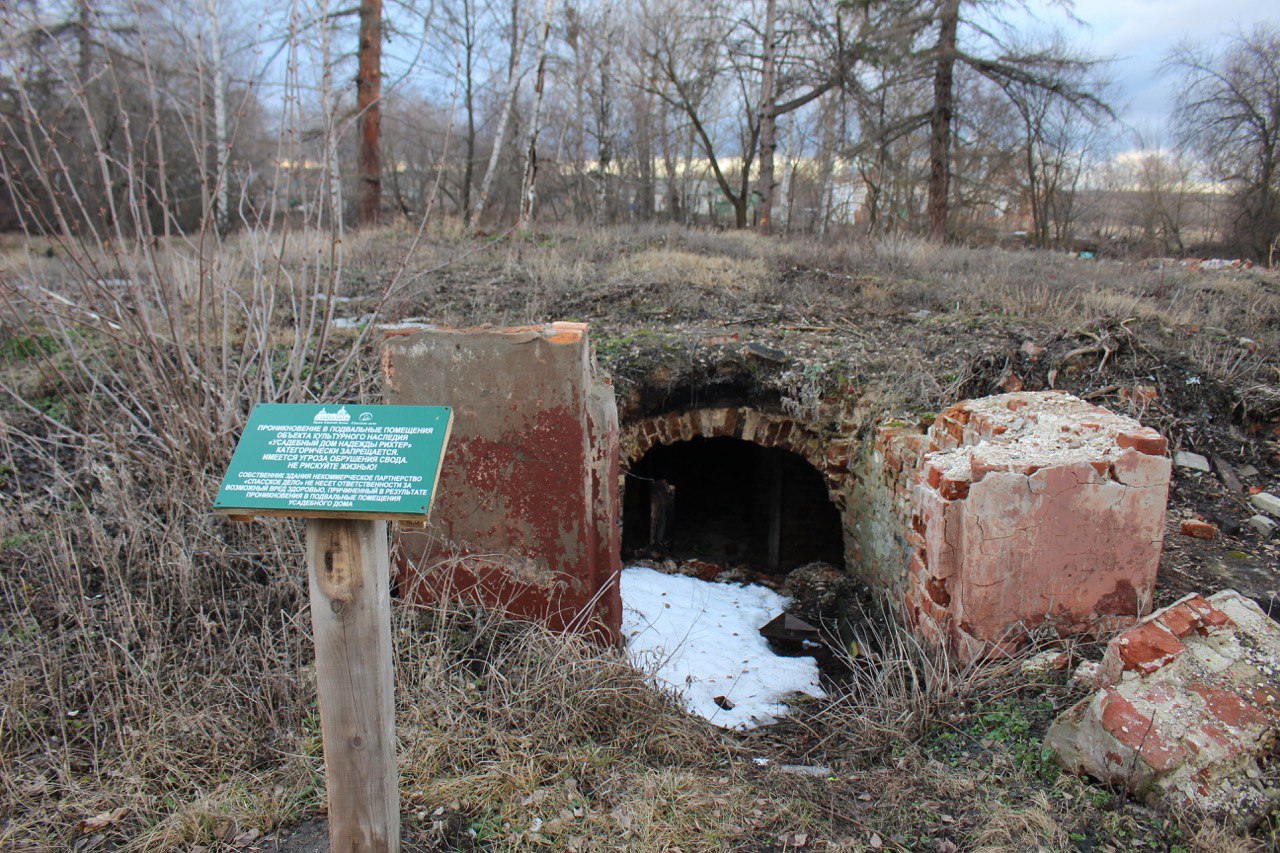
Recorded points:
(1186,710)
(1267,502)
(1194,461)
(1020,510)
(1263,525)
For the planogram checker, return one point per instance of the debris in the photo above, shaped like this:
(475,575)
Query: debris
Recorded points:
(1086,673)
(1198,529)
(786,627)
(1194,461)
(1263,525)
(817,771)
(1010,383)
(702,570)
(765,353)
(723,702)
(1140,393)
(1267,502)
(819,591)
(1247,471)
(1050,660)
(1032,350)
(702,640)
(1227,474)
(1188,702)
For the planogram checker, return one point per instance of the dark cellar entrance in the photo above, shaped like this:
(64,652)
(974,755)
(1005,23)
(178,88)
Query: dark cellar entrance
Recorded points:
(731,502)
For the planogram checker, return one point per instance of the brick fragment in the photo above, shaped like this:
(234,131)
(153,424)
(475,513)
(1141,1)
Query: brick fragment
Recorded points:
(1198,529)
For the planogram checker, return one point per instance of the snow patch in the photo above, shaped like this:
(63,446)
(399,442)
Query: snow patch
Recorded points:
(702,639)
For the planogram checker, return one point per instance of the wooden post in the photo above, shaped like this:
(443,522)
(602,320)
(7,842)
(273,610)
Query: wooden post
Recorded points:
(351,617)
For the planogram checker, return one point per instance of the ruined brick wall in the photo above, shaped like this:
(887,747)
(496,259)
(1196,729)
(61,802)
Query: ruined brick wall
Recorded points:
(1010,512)
(1019,509)
(879,514)
(830,454)
(527,505)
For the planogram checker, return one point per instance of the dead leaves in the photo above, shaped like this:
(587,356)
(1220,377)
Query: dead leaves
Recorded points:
(103,820)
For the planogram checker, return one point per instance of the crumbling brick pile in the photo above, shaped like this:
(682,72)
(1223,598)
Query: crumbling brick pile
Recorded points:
(1187,708)
(1020,510)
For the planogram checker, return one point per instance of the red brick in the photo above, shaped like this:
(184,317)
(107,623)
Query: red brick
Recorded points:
(1228,708)
(1126,724)
(1198,529)
(1210,617)
(1145,440)
(1179,620)
(953,490)
(1147,647)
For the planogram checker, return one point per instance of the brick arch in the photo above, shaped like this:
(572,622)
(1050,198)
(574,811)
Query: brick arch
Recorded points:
(832,458)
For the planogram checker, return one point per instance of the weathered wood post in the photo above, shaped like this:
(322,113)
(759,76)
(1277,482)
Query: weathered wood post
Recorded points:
(351,620)
(347,474)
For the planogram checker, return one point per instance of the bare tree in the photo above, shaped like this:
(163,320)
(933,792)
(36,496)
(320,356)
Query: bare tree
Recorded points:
(463,26)
(511,91)
(1229,111)
(529,186)
(944,63)
(995,57)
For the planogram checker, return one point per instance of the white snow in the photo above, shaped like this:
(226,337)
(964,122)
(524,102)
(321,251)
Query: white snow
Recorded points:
(703,640)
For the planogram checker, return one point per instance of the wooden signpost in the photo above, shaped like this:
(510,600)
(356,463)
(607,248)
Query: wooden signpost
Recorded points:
(347,470)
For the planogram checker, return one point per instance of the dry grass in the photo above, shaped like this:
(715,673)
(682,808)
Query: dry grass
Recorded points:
(156,659)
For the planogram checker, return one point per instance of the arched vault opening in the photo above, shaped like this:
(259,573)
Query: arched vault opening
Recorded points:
(730,501)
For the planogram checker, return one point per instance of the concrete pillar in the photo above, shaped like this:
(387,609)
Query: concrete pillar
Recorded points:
(526,513)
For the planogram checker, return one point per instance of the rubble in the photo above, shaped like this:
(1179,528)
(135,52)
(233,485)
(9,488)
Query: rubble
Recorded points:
(1186,709)
(1020,510)
(1262,524)
(1267,502)
(1194,461)
(1198,529)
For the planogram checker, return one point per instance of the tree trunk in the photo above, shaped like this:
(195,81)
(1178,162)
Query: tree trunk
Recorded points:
(84,39)
(500,137)
(645,203)
(368,105)
(468,92)
(826,167)
(221,150)
(768,119)
(604,137)
(940,120)
(529,187)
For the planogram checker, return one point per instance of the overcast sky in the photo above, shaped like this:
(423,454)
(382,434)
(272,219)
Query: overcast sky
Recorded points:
(1140,32)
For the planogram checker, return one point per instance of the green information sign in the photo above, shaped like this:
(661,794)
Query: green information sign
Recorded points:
(336,460)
